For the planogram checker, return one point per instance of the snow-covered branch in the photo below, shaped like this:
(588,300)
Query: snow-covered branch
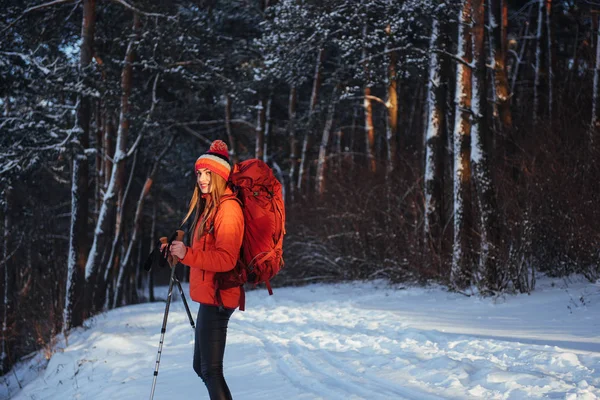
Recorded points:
(28,59)
(144,13)
(36,8)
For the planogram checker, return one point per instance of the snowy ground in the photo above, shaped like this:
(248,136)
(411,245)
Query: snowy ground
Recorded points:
(347,341)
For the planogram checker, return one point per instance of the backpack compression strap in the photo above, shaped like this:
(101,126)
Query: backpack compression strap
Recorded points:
(242,296)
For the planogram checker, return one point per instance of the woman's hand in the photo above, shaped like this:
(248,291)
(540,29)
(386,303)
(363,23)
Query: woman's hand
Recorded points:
(178,249)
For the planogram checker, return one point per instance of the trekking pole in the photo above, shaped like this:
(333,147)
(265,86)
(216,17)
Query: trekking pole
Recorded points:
(173,263)
(187,308)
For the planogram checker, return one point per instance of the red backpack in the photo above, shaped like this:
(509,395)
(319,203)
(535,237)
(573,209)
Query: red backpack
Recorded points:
(260,195)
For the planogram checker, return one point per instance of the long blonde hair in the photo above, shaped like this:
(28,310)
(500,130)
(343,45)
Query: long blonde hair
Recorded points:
(205,207)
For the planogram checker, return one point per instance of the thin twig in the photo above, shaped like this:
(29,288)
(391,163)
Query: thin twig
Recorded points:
(147,14)
(35,8)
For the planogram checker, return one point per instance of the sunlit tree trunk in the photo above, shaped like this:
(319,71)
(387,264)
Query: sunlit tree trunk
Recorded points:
(461,258)
(74,312)
(487,275)
(501,92)
(434,145)
(392,108)
(368,106)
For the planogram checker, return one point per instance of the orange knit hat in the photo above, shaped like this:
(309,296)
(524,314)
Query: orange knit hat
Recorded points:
(216,159)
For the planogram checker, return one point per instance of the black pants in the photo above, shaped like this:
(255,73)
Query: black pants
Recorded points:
(209,348)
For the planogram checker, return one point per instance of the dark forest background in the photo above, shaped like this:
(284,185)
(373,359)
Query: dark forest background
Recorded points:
(452,141)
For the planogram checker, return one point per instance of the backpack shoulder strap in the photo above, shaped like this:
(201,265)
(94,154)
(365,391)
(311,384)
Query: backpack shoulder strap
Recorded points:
(231,197)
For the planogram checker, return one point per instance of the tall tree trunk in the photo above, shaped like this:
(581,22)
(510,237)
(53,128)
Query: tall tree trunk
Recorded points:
(392,108)
(232,147)
(260,129)
(8,278)
(461,258)
(106,284)
(368,105)
(136,277)
(369,131)
(74,312)
(549,57)
(339,137)
(538,61)
(114,262)
(293,140)
(434,145)
(500,89)
(524,37)
(595,123)
(99,141)
(321,164)
(136,224)
(114,259)
(487,273)
(152,240)
(109,147)
(268,128)
(92,267)
(314,98)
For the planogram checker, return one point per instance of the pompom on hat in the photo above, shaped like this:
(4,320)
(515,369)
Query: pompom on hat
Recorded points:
(216,160)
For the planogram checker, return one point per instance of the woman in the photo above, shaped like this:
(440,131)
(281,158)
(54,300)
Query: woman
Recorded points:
(217,232)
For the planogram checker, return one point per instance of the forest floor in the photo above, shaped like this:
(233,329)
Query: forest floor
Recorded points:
(362,340)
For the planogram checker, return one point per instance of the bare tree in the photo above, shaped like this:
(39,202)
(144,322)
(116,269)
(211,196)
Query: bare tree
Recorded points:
(538,60)
(392,108)
(292,137)
(368,106)
(268,128)
(549,56)
(260,129)
(487,274)
(314,98)
(595,123)
(98,117)
(321,163)
(461,263)
(118,295)
(108,203)
(8,278)
(434,153)
(78,240)
(232,142)
(497,11)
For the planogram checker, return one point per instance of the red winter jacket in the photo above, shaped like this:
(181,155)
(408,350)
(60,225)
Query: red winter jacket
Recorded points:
(218,250)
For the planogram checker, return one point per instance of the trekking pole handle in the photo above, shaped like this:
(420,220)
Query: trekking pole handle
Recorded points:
(179,234)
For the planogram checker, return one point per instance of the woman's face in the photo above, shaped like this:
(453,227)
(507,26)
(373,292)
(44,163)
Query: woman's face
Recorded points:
(203,178)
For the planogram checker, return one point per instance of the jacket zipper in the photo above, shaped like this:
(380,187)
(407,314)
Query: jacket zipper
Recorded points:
(203,249)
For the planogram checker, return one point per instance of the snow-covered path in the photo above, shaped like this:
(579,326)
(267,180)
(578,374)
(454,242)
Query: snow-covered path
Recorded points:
(348,341)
